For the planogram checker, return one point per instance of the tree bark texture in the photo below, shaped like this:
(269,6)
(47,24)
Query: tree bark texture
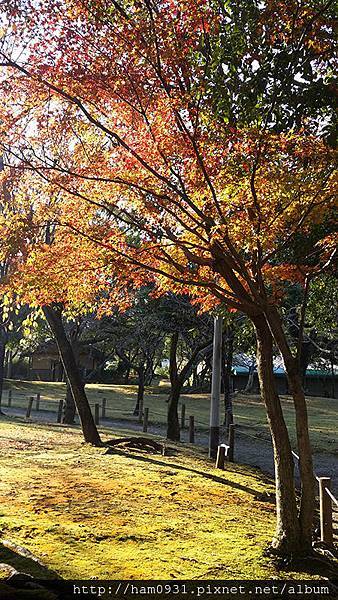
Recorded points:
(53,314)
(69,408)
(288,537)
(138,410)
(173,425)
(228,352)
(307,503)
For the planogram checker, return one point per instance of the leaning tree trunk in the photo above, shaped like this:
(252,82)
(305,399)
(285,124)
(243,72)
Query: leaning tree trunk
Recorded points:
(173,425)
(54,319)
(70,408)
(307,503)
(288,538)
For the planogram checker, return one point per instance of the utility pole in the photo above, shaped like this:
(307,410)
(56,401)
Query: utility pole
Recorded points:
(215,388)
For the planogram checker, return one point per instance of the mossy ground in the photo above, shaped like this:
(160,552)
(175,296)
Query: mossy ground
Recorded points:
(248,409)
(87,513)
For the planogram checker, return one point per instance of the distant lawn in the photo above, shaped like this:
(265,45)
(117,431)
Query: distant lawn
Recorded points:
(87,514)
(249,411)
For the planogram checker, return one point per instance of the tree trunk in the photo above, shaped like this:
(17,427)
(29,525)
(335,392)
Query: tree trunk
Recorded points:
(70,408)
(288,539)
(149,372)
(202,375)
(195,379)
(126,376)
(307,504)
(9,364)
(226,375)
(53,315)
(138,410)
(250,382)
(177,381)
(173,425)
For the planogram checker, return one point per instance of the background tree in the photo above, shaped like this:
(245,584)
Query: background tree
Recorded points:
(315,331)
(190,338)
(139,339)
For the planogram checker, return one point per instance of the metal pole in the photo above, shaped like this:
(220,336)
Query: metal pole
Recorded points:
(215,388)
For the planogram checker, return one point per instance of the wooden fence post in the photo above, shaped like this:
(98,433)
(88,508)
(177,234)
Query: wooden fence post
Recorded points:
(220,460)
(29,407)
(145,420)
(104,406)
(97,414)
(325,503)
(183,416)
(59,414)
(37,405)
(9,401)
(231,442)
(191,429)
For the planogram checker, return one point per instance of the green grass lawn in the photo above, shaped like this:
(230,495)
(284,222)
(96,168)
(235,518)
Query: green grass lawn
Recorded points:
(85,513)
(249,411)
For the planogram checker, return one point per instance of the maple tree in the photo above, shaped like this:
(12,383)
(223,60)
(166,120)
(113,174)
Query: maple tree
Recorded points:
(114,109)
(42,270)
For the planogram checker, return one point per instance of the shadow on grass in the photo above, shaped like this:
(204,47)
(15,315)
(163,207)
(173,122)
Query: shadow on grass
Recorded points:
(21,560)
(222,480)
(75,428)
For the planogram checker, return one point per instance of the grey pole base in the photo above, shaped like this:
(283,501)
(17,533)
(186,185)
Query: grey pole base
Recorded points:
(213,442)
